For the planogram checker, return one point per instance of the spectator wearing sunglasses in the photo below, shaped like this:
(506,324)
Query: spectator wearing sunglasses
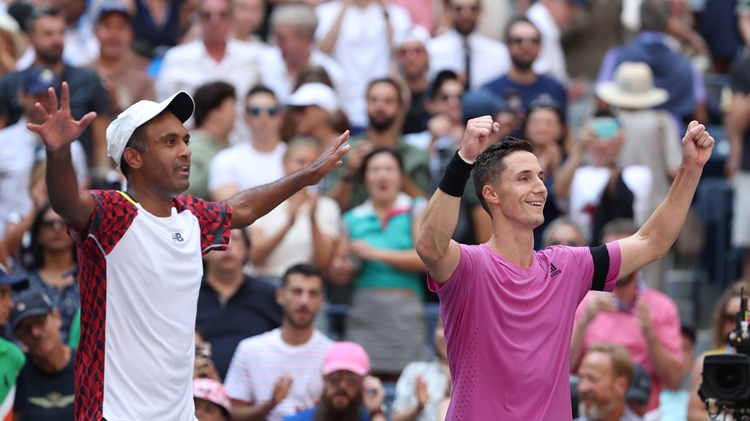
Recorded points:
(215,105)
(256,161)
(522,82)
(563,231)
(52,264)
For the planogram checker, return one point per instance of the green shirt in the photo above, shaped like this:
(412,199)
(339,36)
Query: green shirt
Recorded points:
(203,147)
(75,330)
(11,362)
(416,166)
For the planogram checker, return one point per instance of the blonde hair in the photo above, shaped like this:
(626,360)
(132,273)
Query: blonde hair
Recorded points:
(622,363)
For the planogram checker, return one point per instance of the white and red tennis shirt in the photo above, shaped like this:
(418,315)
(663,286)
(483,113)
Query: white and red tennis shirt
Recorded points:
(139,280)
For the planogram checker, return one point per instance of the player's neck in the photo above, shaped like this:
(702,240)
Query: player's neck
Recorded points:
(513,245)
(154,203)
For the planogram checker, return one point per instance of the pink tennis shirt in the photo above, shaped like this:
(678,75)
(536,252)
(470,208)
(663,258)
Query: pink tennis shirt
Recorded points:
(508,329)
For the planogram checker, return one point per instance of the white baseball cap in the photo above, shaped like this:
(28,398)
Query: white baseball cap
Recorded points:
(315,93)
(121,129)
(414,33)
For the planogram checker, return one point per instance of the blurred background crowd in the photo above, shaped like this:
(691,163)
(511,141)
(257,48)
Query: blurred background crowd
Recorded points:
(604,90)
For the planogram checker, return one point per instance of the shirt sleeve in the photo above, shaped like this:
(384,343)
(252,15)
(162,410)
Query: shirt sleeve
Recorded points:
(214,218)
(113,213)
(606,261)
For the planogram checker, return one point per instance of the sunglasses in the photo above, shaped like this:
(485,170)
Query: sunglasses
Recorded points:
(730,318)
(53,224)
(458,8)
(256,111)
(224,14)
(522,40)
(448,97)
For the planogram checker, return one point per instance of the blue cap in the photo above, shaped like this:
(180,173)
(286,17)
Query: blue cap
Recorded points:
(581,3)
(38,80)
(640,385)
(481,102)
(113,7)
(17,282)
(29,303)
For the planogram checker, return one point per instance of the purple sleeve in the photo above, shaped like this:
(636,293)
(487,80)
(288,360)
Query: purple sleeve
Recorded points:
(462,270)
(615,260)
(608,66)
(699,88)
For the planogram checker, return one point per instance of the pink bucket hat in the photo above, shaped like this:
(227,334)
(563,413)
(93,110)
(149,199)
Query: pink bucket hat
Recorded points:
(212,391)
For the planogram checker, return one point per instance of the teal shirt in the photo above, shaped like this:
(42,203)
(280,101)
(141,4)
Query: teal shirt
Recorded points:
(416,166)
(394,234)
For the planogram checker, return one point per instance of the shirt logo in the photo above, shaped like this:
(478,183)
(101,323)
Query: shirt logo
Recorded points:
(553,270)
(177,237)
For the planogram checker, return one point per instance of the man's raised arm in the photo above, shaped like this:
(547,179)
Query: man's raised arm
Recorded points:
(58,131)
(660,231)
(249,205)
(435,247)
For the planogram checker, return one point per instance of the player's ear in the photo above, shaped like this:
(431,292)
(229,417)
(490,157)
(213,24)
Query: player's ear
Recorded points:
(490,195)
(133,158)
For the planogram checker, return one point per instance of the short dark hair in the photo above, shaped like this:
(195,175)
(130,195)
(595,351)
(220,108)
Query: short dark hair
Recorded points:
(138,142)
(304,269)
(442,77)
(491,163)
(388,81)
(377,151)
(260,89)
(39,12)
(516,20)
(209,97)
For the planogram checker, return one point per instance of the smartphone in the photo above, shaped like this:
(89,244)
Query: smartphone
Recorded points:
(605,127)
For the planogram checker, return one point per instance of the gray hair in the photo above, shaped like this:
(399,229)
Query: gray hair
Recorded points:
(300,16)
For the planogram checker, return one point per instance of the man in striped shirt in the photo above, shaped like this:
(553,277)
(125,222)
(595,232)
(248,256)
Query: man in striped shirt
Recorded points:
(278,373)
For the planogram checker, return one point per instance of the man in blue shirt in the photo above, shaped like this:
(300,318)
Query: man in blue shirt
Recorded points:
(521,86)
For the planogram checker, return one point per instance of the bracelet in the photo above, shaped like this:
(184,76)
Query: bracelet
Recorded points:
(456,175)
(379,410)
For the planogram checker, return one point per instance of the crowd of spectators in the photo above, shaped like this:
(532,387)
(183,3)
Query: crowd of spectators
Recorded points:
(602,89)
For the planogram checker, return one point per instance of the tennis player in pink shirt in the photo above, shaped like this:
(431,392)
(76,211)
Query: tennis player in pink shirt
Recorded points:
(508,311)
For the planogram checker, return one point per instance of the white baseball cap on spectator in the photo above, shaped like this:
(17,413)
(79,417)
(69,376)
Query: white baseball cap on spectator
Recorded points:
(315,93)
(121,129)
(414,33)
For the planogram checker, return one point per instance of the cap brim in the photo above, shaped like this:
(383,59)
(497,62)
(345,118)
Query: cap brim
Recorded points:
(610,93)
(27,314)
(16,282)
(181,105)
(343,366)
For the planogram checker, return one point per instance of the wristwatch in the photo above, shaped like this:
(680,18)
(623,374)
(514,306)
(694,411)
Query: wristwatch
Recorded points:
(379,410)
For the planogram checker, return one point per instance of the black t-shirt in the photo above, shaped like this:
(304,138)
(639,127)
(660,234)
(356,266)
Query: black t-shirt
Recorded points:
(740,81)
(252,310)
(42,396)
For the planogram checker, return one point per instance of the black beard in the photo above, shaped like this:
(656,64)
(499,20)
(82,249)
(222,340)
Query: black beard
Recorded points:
(524,66)
(326,412)
(382,125)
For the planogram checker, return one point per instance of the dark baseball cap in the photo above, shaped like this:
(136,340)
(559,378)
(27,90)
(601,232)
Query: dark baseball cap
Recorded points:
(640,385)
(17,282)
(29,303)
(38,80)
